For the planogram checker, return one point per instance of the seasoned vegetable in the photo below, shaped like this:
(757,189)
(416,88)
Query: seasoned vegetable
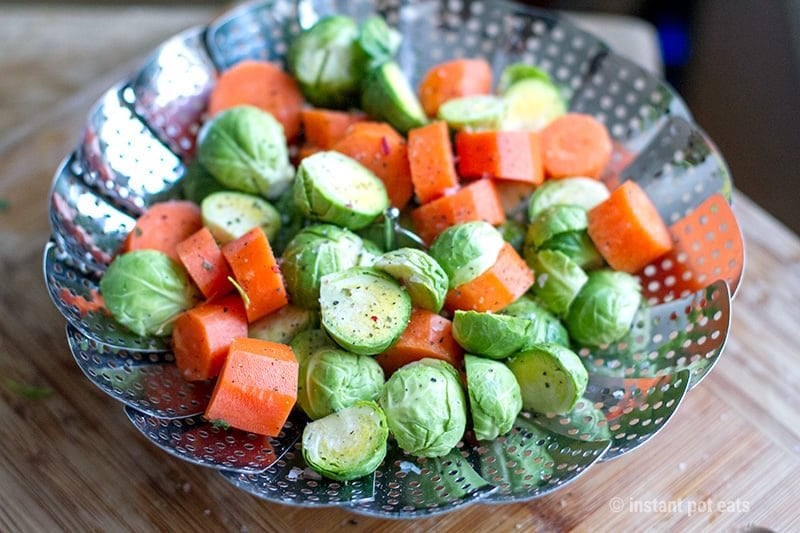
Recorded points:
(545,327)
(309,341)
(558,280)
(490,335)
(466,251)
(478,112)
(517,72)
(604,308)
(205,264)
(583,192)
(245,150)
(551,377)
(503,155)
(283,325)
(427,335)
(553,221)
(349,444)
(578,246)
(163,226)
(370,252)
(229,215)
(430,155)
(364,310)
(331,380)
(425,407)
(145,291)
(323,128)
(495,399)
(316,251)
(378,41)
(388,96)
(331,187)
(575,145)
(531,104)
(421,275)
(454,79)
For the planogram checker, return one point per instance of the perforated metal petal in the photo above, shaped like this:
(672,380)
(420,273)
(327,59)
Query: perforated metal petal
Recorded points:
(147,381)
(76,294)
(197,441)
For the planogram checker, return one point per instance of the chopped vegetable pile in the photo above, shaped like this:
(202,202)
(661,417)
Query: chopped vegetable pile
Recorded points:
(396,263)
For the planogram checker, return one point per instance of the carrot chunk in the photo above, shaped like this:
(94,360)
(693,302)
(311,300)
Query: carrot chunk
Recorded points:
(427,335)
(430,155)
(256,271)
(453,79)
(627,229)
(381,149)
(203,260)
(163,226)
(324,127)
(504,155)
(257,387)
(476,201)
(508,279)
(202,335)
(575,145)
(263,85)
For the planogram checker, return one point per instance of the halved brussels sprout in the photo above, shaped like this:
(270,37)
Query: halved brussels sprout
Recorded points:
(331,187)
(283,325)
(555,220)
(315,252)
(387,95)
(578,246)
(145,290)
(476,112)
(378,41)
(580,191)
(244,148)
(425,407)
(494,397)
(517,72)
(229,214)
(423,278)
(490,335)
(551,377)
(531,104)
(331,379)
(465,251)
(327,62)
(347,445)
(309,341)
(604,309)
(370,252)
(545,327)
(558,280)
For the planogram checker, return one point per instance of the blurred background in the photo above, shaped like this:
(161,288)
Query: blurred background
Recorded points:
(736,63)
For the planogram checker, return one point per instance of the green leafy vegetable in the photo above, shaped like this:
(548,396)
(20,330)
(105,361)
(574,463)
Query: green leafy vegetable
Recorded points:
(465,251)
(494,397)
(604,309)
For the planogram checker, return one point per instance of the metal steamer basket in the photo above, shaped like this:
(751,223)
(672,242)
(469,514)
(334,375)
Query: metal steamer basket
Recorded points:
(141,134)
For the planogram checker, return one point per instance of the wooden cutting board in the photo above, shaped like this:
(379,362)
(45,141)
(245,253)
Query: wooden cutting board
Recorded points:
(730,457)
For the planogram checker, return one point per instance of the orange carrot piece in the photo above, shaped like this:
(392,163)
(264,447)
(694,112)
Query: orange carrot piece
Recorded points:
(256,271)
(427,335)
(203,260)
(575,145)
(453,79)
(430,155)
(202,335)
(508,279)
(381,149)
(476,201)
(503,155)
(325,127)
(627,229)
(263,85)
(257,387)
(163,226)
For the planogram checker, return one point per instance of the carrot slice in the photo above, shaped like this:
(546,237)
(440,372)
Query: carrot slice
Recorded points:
(575,145)
(163,226)
(508,279)
(381,149)
(202,335)
(627,229)
(205,263)
(476,201)
(453,79)
(504,155)
(256,271)
(430,155)
(427,335)
(257,387)
(324,127)
(263,85)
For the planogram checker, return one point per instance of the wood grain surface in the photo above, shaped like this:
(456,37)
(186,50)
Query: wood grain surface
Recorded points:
(729,459)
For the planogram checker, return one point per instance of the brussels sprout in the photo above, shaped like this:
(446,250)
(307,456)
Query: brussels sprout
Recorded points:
(584,422)
(370,252)
(513,233)
(545,326)
(198,183)
(551,377)
(331,379)
(228,215)
(494,397)
(476,112)
(316,251)
(558,280)
(292,222)
(387,95)
(331,187)
(490,335)
(327,62)
(378,41)
(244,148)
(465,251)
(604,309)
(347,445)
(425,407)
(517,72)
(283,325)
(578,246)
(423,278)
(309,341)
(145,290)
(555,220)
(580,191)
